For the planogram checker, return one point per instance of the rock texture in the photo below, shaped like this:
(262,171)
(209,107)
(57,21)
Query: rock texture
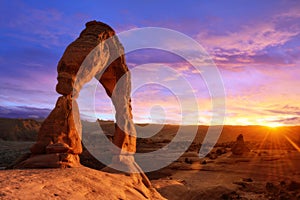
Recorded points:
(72,184)
(59,142)
(240,148)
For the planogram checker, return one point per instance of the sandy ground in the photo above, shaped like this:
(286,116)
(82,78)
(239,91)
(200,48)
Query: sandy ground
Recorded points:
(273,175)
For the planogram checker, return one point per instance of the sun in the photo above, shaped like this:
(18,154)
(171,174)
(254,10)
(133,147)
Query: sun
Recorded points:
(273,125)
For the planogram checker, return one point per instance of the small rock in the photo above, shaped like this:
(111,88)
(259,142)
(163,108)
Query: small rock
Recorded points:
(293,186)
(247,179)
(284,196)
(270,187)
(282,183)
(221,151)
(231,195)
(2,194)
(244,185)
(213,156)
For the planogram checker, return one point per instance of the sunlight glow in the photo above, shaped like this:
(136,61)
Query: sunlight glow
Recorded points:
(293,143)
(274,125)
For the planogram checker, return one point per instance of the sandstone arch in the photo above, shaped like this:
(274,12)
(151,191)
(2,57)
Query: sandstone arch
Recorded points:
(59,139)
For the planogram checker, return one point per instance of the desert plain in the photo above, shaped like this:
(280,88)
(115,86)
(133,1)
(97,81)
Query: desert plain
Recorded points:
(269,170)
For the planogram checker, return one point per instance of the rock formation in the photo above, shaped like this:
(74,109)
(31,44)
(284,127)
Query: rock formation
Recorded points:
(240,148)
(96,53)
(59,142)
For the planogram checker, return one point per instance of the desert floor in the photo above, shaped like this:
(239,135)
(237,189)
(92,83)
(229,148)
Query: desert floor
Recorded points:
(269,171)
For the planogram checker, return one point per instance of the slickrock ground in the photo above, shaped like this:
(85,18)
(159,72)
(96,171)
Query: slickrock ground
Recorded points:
(72,183)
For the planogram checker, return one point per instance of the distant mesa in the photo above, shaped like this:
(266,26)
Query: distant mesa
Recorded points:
(19,129)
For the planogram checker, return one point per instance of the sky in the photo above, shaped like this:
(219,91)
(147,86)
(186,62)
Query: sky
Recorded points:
(255,45)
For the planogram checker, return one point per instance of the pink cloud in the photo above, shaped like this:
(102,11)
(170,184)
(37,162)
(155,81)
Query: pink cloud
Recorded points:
(249,43)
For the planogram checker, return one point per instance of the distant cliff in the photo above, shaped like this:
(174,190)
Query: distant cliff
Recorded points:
(19,129)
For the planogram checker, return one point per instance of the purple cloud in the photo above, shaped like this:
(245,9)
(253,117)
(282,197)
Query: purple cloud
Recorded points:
(24,112)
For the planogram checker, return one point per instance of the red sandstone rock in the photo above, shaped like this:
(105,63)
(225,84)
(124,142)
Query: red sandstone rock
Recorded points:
(71,77)
(240,147)
(53,160)
(61,129)
(98,53)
